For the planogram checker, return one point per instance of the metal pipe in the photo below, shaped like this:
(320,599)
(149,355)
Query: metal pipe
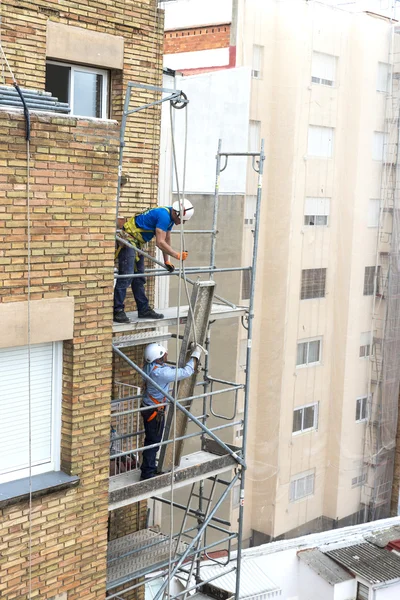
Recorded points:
(226,382)
(195,540)
(179,406)
(185,437)
(193,231)
(248,359)
(190,271)
(239,154)
(191,510)
(216,205)
(200,583)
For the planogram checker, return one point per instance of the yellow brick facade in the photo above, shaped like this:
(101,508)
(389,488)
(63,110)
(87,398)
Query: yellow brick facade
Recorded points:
(73,168)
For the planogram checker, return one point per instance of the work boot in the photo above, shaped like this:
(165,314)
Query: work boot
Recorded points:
(149,313)
(120,317)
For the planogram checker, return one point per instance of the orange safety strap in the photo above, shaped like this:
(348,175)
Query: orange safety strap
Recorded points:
(161,408)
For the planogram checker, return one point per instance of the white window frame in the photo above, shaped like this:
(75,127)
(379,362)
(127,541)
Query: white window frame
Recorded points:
(71,86)
(317,207)
(316,80)
(293,493)
(314,426)
(323,131)
(250,207)
(257,73)
(360,479)
(308,341)
(54,463)
(363,400)
(365,349)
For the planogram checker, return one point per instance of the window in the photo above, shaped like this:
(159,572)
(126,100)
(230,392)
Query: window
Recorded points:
(302,485)
(254,136)
(365,344)
(246,284)
(362,591)
(320,141)
(236,496)
(316,211)
(360,479)
(242,354)
(45,398)
(373,213)
(305,418)
(378,145)
(308,352)
(312,283)
(256,71)
(383,77)
(361,408)
(369,280)
(323,69)
(85,89)
(250,210)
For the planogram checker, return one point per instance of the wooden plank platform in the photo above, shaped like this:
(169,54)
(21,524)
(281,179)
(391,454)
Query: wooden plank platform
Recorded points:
(127,488)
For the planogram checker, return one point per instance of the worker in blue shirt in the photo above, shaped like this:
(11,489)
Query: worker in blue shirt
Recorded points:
(140,229)
(155,367)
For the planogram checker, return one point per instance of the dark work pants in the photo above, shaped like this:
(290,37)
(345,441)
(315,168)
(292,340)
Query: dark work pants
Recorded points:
(127,264)
(154,430)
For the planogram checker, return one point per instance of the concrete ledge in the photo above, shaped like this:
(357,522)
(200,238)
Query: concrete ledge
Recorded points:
(47,483)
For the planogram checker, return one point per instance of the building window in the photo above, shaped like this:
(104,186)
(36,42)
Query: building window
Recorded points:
(361,408)
(308,352)
(369,280)
(320,141)
(323,69)
(378,145)
(256,71)
(383,77)
(246,284)
(312,283)
(85,89)
(250,206)
(236,495)
(360,479)
(44,381)
(301,486)
(365,344)
(316,211)
(242,354)
(305,418)
(254,136)
(373,212)
(362,591)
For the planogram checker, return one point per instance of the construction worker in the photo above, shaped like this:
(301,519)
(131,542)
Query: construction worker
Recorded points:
(141,229)
(155,357)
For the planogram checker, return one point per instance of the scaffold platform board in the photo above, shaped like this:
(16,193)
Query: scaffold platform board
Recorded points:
(218,311)
(134,555)
(127,488)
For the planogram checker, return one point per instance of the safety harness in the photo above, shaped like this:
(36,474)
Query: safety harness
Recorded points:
(133,232)
(159,409)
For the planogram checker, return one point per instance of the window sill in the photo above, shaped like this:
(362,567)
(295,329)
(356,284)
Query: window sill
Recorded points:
(46,483)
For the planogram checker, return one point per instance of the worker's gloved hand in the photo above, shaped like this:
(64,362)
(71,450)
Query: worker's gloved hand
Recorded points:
(182,256)
(169,266)
(197,352)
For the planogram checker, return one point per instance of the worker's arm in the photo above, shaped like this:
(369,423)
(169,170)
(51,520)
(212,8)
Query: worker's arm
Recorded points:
(168,374)
(163,240)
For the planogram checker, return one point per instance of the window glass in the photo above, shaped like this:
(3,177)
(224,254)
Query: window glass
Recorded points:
(313,352)
(87,94)
(320,141)
(58,81)
(312,283)
(323,68)
(297,420)
(309,417)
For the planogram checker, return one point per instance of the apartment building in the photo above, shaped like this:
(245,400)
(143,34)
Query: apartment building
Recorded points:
(323,409)
(57,223)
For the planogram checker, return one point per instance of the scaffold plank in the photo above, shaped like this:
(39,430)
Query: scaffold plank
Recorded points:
(127,488)
(137,339)
(137,554)
(218,311)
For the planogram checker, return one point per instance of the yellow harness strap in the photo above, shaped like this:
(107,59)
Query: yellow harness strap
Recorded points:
(135,232)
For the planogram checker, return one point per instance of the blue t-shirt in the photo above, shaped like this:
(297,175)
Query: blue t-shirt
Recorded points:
(155,218)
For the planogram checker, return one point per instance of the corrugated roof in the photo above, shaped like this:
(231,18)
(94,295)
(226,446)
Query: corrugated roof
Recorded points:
(254,583)
(376,565)
(382,538)
(324,566)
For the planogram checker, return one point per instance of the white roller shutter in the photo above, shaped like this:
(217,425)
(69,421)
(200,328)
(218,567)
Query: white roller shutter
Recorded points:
(45,384)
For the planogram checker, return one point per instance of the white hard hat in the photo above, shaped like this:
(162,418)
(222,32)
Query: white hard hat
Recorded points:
(153,352)
(188,209)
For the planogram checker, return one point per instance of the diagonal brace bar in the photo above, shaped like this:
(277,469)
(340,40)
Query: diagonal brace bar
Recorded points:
(180,407)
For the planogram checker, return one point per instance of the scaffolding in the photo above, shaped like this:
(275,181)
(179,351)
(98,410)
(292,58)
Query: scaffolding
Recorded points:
(383,392)
(178,555)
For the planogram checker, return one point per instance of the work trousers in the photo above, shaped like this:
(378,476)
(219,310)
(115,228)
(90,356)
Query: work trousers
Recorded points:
(154,430)
(127,263)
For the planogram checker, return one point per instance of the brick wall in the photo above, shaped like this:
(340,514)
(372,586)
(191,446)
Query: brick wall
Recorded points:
(200,38)
(73,182)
